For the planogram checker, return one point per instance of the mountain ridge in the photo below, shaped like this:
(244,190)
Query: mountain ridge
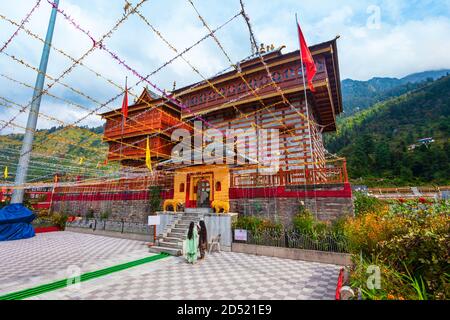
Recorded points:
(359,95)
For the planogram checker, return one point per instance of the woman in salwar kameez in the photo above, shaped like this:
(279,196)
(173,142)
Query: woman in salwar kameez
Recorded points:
(192,244)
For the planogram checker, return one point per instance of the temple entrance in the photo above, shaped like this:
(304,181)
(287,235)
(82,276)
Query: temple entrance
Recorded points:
(203,194)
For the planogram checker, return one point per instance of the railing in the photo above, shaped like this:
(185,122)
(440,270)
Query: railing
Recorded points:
(158,146)
(145,123)
(408,192)
(289,238)
(332,175)
(112,225)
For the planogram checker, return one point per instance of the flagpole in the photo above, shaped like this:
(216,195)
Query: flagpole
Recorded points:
(123,123)
(307,108)
(27,143)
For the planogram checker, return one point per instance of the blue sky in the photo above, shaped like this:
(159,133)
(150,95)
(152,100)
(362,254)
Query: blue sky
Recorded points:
(378,38)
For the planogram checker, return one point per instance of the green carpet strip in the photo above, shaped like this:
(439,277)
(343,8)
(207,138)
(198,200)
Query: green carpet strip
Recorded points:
(27,293)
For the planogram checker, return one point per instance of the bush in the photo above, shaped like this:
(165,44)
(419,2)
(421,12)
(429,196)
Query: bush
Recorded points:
(365,204)
(255,224)
(393,285)
(424,250)
(365,232)
(105,215)
(154,199)
(59,220)
(412,239)
(90,214)
(305,223)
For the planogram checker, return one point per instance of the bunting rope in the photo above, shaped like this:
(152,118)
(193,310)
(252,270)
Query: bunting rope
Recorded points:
(24,21)
(167,97)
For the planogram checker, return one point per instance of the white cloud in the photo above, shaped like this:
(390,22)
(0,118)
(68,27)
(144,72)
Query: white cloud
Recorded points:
(396,51)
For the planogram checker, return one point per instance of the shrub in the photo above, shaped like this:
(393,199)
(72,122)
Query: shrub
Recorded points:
(393,285)
(305,223)
(255,224)
(365,204)
(154,198)
(365,232)
(105,215)
(90,214)
(423,249)
(412,239)
(59,219)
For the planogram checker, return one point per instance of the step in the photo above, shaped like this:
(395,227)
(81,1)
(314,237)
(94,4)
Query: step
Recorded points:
(175,234)
(182,225)
(165,244)
(171,251)
(197,210)
(180,236)
(172,239)
(189,219)
(179,230)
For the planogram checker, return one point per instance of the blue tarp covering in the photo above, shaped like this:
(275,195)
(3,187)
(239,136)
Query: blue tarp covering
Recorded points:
(15,222)
(16,231)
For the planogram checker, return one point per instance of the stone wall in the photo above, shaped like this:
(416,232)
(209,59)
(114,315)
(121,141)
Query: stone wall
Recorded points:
(128,210)
(277,209)
(341,259)
(284,209)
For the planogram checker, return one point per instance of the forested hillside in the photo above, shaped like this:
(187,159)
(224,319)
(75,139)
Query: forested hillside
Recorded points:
(67,151)
(376,141)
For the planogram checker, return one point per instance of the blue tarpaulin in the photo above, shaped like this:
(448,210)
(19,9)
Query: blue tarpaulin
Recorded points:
(15,222)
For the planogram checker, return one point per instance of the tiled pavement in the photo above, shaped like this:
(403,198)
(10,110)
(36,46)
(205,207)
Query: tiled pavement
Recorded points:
(225,275)
(49,256)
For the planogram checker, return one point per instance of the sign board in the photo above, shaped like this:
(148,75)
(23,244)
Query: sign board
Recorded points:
(154,220)
(240,235)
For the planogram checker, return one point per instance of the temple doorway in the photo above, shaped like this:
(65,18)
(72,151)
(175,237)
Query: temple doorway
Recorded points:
(203,194)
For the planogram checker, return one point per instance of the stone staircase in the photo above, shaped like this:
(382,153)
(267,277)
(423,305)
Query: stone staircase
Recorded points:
(171,241)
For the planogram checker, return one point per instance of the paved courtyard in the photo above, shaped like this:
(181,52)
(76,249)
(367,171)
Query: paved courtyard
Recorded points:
(227,275)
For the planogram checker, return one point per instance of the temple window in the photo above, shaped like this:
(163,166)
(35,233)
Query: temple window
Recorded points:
(181,187)
(218,186)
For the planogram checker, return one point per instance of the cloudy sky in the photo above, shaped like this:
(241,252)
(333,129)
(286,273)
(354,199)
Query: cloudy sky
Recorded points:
(378,38)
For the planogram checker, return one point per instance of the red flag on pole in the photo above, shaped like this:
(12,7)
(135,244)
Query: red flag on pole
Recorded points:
(125,103)
(307,59)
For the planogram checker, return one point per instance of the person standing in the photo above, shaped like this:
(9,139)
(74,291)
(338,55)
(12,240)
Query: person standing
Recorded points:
(203,239)
(192,243)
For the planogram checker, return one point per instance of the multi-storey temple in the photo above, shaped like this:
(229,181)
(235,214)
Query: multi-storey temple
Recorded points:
(263,94)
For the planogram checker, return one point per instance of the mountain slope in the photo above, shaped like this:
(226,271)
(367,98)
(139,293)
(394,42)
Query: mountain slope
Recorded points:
(375,141)
(57,150)
(359,95)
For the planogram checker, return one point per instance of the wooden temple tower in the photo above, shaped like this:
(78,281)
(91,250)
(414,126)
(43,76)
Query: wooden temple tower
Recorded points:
(241,100)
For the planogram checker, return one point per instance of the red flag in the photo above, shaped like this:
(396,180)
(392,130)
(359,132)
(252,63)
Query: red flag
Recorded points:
(308,60)
(125,103)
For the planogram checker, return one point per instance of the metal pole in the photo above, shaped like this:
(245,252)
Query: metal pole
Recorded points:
(27,144)
(307,118)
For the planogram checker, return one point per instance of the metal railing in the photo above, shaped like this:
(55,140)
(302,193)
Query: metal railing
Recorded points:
(290,238)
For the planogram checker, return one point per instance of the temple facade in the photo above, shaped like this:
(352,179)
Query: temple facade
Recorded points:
(263,97)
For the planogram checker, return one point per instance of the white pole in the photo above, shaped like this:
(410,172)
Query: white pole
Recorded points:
(307,111)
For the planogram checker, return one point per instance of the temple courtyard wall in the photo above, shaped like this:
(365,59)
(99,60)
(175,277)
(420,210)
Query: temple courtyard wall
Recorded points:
(326,203)
(126,210)
(284,209)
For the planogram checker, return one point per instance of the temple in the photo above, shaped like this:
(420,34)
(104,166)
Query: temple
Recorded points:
(248,100)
